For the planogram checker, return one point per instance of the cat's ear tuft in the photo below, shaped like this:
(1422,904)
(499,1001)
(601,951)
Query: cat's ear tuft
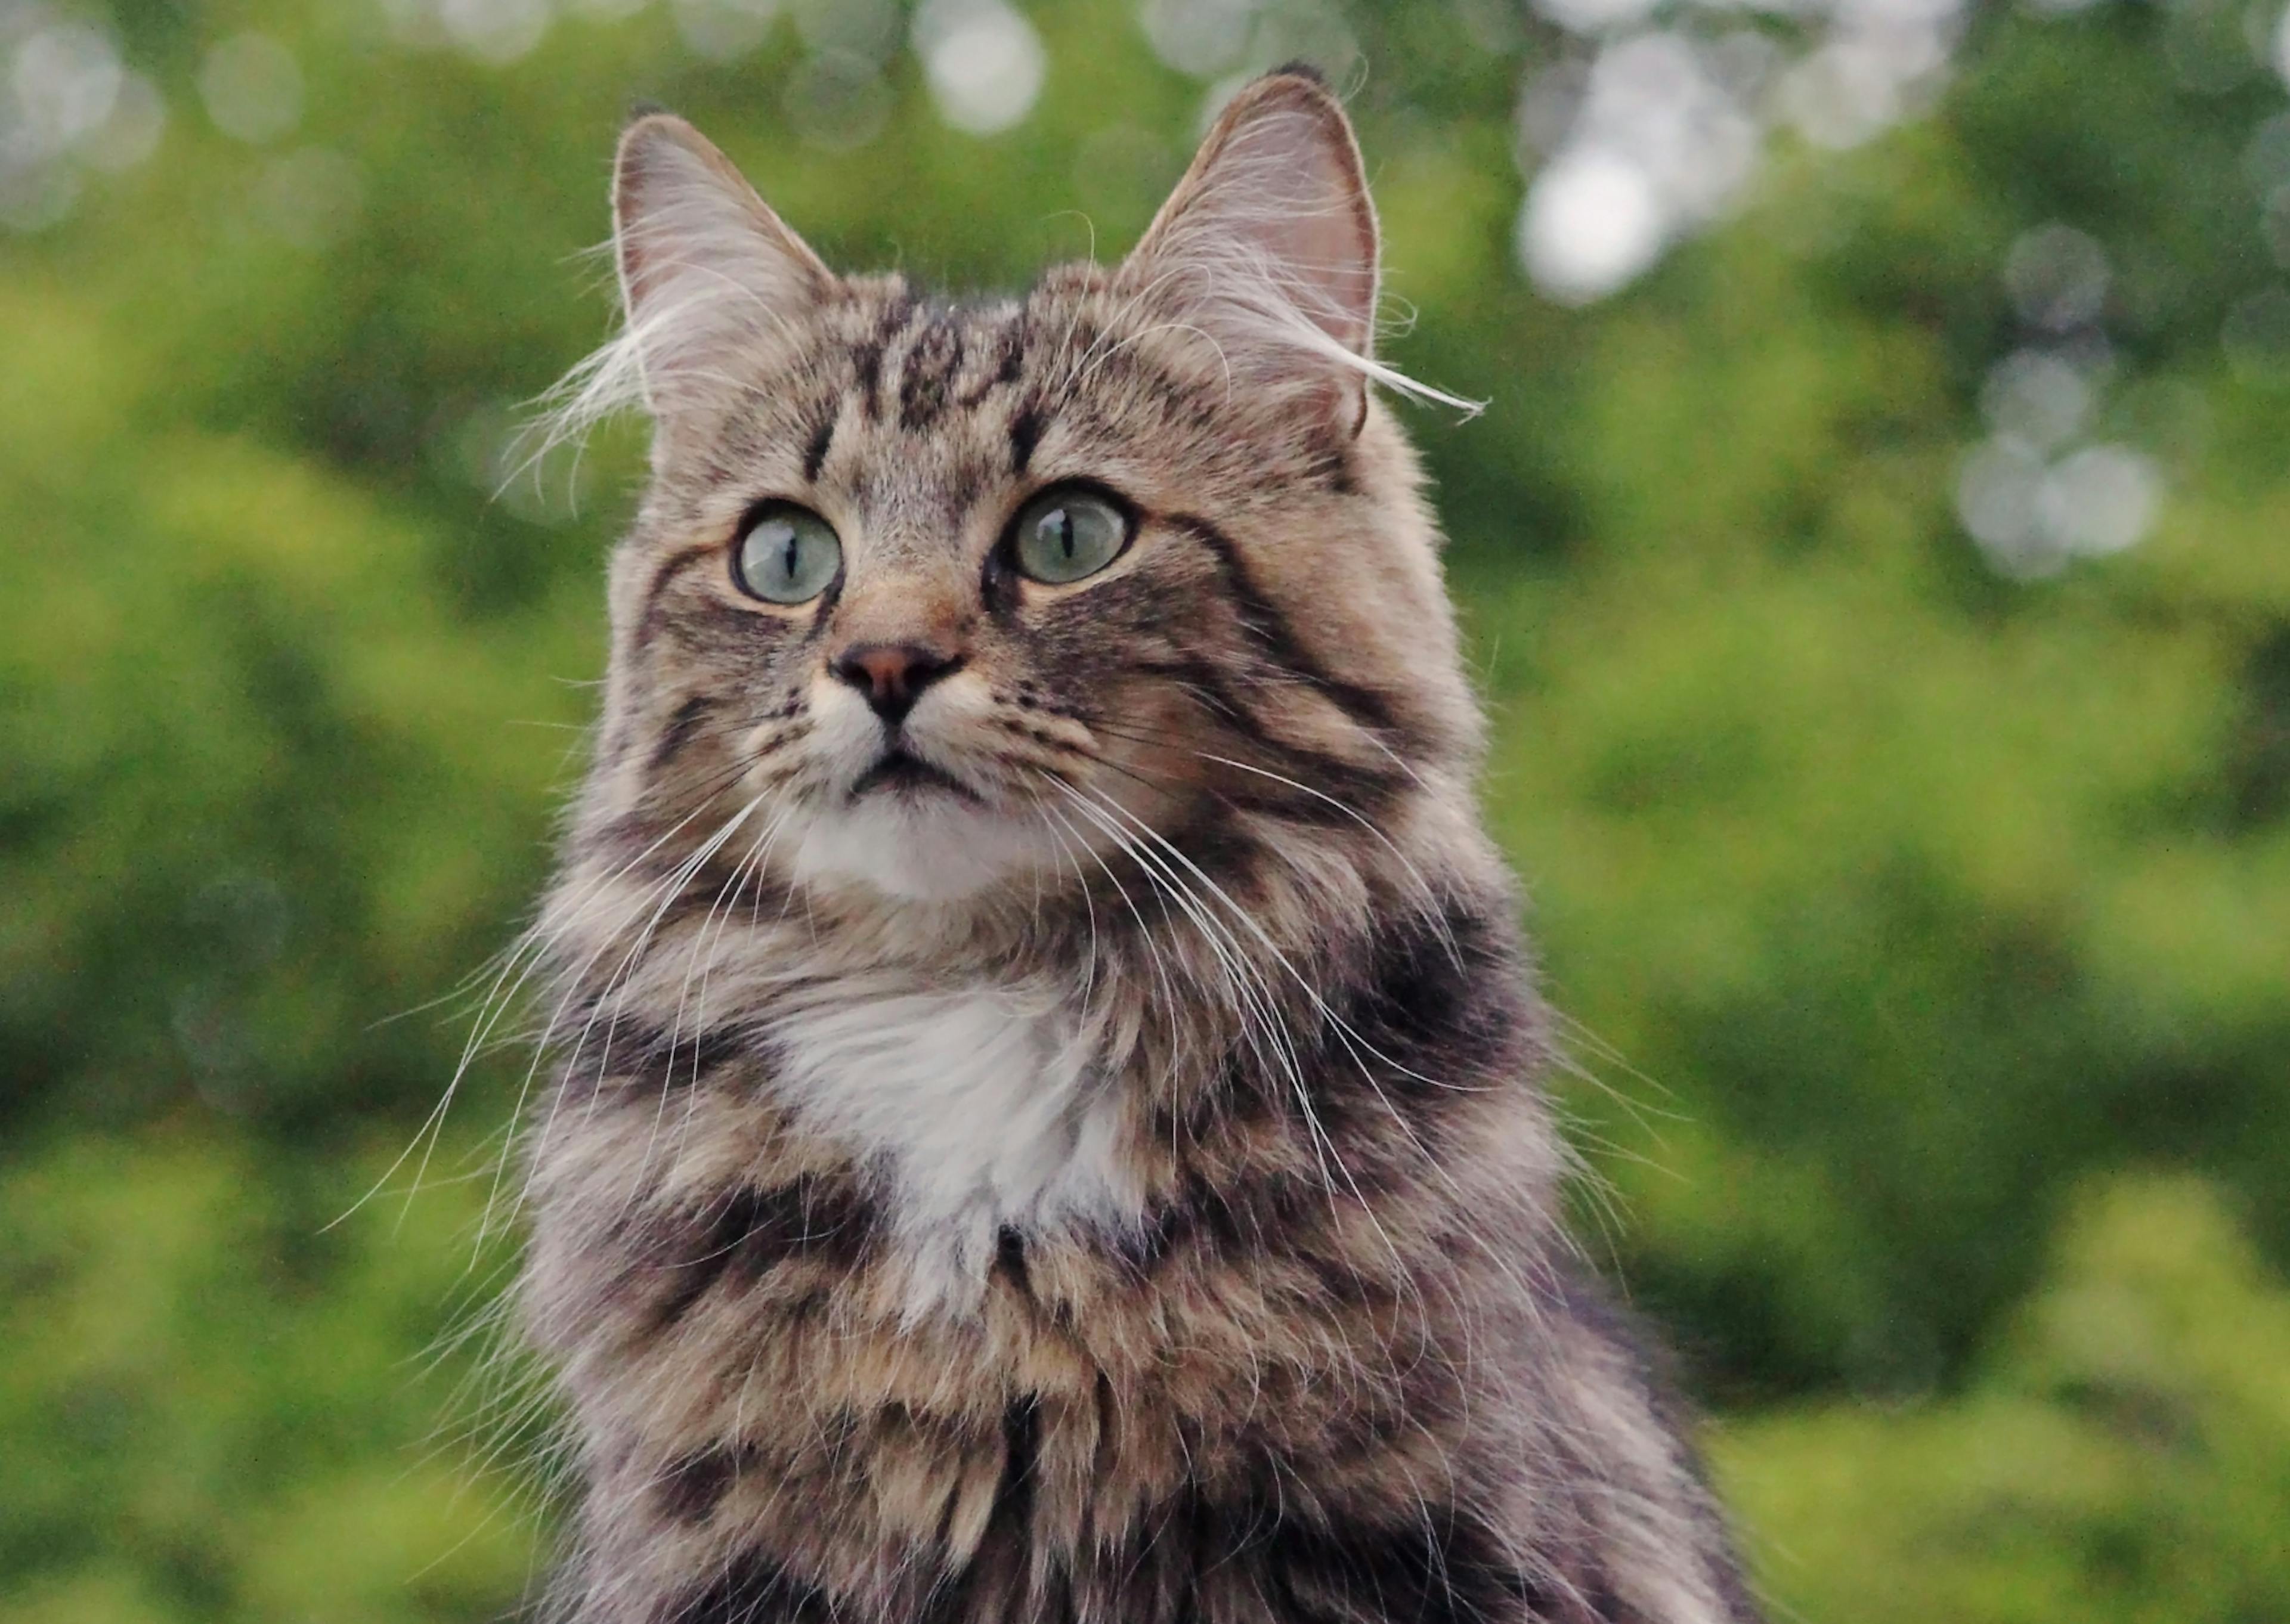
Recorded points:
(1271,237)
(702,259)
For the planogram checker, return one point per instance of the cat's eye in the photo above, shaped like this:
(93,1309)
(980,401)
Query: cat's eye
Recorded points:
(1068,534)
(788,555)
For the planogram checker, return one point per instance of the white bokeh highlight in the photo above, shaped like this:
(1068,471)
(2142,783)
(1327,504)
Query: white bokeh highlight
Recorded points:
(1657,143)
(2033,517)
(982,61)
(1593,222)
(723,31)
(495,32)
(68,104)
(1658,136)
(1200,38)
(66,80)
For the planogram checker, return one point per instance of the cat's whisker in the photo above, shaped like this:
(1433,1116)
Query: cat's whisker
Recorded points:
(530,949)
(541,937)
(1145,934)
(1356,1046)
(668,891)
(701,945)
(1292,1062)
(1252,997)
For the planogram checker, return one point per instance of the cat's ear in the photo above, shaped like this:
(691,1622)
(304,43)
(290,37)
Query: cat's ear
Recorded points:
(1270,241)
(703,261)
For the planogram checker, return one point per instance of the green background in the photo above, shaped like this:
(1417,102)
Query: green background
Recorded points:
(1923,933)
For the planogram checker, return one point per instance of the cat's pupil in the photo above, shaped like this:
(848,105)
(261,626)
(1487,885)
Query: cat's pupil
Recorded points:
(787,556)
(1063,519)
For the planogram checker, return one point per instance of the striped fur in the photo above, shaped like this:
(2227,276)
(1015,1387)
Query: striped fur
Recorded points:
(1113,1187)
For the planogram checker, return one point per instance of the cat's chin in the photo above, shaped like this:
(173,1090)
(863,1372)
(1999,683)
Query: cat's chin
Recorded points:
(931,846)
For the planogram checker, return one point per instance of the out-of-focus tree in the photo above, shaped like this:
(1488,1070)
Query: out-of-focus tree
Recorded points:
(1874,545)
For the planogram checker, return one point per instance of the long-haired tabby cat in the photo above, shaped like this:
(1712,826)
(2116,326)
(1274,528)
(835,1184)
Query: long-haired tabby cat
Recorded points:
(1046,1126)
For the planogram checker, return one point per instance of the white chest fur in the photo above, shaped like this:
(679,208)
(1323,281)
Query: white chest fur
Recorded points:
(980,1108)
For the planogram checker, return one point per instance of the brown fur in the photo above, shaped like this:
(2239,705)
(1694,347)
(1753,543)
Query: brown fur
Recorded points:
(1312,1345)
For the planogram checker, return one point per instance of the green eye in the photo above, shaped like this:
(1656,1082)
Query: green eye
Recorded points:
(788,556)
(1065,535)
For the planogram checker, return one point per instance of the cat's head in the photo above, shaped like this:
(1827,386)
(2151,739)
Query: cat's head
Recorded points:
(944,596)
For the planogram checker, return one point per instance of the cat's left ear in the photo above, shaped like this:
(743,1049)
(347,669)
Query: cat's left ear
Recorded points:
(1269,242)
(704,260)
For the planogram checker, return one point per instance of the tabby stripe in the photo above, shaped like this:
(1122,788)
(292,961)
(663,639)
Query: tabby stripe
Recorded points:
(1438,992)
(692,1486)
(1439,1567)
(681,729)
(1330,775)
(926,378)
(816,1216)
(1009,342)
(1025,435)
(815,453)
(1366,709)
(867,360)
(754,1588)
(663,577)
(650,1060)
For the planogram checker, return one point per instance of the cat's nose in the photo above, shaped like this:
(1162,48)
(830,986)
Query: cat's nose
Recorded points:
(893,676)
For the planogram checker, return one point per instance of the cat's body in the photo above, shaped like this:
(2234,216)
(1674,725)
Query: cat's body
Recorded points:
(1048,1128)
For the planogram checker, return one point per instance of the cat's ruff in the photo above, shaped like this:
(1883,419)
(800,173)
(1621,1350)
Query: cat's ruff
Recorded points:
(983,1109)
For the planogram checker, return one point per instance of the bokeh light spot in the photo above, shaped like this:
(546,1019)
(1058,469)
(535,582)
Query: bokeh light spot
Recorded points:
(497,32)
(1996,499)
(864,28)
(252,87)
(2209,45)
(309,198)
(983,60)
(1592,16)
(1200,38)
(130,135)
(2037,397)
(2101,500)
(37,196)
(2032,518)
(67,80)
(2057,277)
(836,100)
(724,30)
(1591,222)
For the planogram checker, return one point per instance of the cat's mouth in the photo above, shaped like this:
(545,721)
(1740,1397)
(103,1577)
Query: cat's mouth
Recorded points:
(902,773)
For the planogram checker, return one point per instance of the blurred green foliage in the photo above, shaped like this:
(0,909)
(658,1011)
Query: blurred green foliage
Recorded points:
(2124,1453)
(1892,900)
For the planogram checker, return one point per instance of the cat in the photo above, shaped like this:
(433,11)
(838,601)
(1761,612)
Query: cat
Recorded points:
(1046,1124)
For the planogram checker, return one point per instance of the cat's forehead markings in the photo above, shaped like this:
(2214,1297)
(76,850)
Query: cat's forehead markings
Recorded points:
(928,403)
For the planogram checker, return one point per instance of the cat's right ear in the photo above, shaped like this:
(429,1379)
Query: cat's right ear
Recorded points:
(703,261)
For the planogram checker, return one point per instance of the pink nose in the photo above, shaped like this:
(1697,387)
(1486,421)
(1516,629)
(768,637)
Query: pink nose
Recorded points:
(893,676)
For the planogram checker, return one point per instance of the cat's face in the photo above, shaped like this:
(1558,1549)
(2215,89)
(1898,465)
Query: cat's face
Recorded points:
(933,598)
